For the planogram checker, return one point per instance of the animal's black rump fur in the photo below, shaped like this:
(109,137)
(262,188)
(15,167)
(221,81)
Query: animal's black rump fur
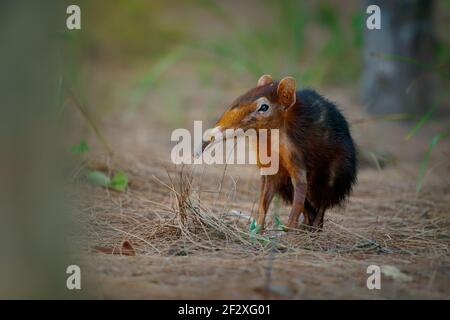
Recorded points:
(321,133)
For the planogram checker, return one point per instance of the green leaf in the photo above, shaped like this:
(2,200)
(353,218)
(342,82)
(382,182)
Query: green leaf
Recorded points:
(119,182)
(79,148)
(280,226)
(252,224)
(255,230)
(98,178)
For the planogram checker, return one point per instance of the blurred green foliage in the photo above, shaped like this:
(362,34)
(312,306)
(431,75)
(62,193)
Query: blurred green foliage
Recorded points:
(318,42)
(128,29)
(153,75)
(280,43)
(285,44)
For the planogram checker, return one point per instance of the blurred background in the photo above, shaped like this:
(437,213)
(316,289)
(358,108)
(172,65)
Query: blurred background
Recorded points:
(156,45)
(139,69)
(167,63)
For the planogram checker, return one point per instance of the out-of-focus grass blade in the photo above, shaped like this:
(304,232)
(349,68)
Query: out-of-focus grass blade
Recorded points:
(80,148)
(292,20)
(426,158)
(358,29)
(215,8)
(443,72)
(386,117)
(86,115)
(155,72)
(421,122)
(223,50)
(425,118)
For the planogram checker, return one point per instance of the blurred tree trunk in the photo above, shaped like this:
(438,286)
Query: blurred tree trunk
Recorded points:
(394,79)
(33,210)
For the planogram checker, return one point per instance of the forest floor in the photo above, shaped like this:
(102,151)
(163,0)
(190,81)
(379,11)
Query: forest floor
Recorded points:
(170,235)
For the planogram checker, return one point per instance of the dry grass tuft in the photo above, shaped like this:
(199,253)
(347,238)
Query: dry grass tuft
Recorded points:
(188,221)
(168,213)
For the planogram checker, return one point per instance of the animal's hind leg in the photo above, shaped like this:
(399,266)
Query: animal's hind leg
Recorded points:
(310,211)
(318,220)
(298,203)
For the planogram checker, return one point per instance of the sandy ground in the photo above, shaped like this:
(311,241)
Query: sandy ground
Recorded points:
(385,223)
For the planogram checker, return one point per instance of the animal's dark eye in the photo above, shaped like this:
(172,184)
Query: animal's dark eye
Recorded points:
(263,108)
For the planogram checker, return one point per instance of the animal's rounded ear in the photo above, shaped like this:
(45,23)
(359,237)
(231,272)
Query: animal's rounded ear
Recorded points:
(264,79)
(286,91)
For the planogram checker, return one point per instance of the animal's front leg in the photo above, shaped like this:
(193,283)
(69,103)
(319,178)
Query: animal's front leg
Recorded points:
(265,198)
(298,203)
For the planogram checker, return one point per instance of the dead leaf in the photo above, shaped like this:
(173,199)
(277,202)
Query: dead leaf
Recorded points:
(127,249)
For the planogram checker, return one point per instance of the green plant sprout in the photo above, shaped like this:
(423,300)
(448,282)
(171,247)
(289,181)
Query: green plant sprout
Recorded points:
(118,182)
(81,147)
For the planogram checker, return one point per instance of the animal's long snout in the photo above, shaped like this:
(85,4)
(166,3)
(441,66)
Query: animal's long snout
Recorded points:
(210,139)
(203,146)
